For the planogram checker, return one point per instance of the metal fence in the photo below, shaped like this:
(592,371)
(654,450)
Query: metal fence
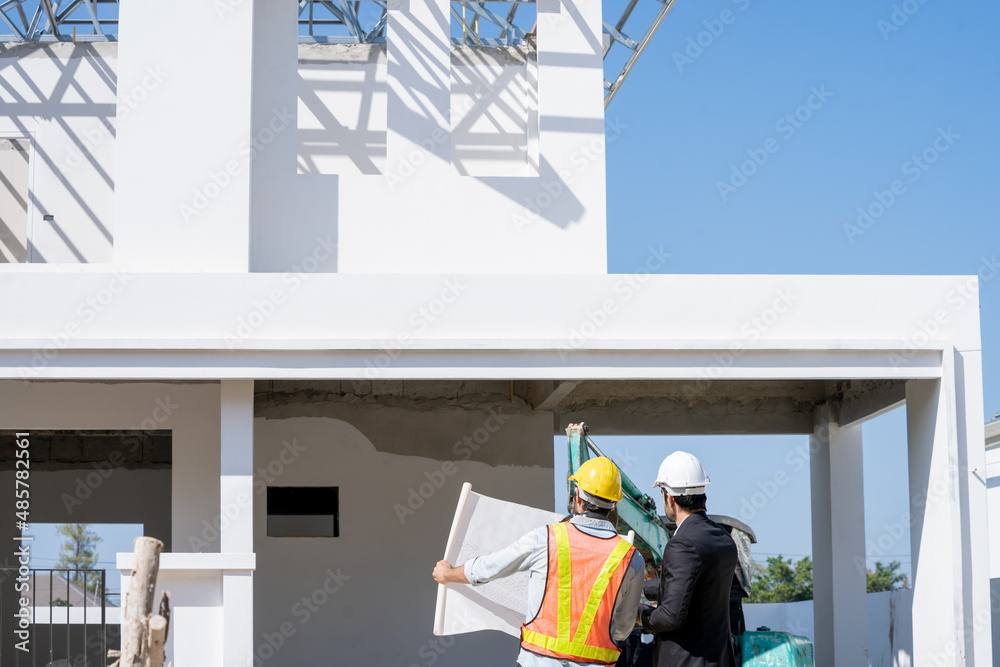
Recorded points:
(61,613)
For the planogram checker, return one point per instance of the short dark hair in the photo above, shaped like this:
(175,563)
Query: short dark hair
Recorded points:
(587,506)
(602,511)
(692,503)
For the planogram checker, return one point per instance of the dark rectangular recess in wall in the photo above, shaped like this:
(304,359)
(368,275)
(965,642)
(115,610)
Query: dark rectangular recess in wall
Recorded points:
(303,511)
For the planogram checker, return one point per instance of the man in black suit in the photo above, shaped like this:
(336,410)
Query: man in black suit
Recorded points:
(691,621)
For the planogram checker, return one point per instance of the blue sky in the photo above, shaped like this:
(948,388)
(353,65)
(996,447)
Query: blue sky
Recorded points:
(687,117)
(889,94)
(115,537)
(764,482)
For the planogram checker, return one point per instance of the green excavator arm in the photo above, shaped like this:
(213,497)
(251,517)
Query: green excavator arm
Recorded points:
(636,510)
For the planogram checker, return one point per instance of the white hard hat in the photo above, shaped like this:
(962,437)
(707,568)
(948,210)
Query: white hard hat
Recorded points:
(681,474)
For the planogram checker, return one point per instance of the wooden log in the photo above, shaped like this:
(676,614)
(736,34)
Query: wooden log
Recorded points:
(157,640)
(139,601)
(165,610)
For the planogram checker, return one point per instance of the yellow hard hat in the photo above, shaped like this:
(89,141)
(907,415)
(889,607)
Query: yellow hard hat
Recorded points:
(600,477)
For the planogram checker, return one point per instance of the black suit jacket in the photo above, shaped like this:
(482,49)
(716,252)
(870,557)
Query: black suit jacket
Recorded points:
(691,622)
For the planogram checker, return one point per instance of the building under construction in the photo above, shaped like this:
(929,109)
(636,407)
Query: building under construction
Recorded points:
(361,247)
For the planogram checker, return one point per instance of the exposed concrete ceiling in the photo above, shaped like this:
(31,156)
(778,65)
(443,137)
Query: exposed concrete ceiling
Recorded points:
(993,434)
(69,450)
(608,407)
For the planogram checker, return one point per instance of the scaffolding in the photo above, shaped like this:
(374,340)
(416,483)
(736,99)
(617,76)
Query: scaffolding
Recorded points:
(494,23)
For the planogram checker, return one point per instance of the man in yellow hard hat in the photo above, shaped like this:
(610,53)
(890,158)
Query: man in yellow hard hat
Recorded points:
(585,579)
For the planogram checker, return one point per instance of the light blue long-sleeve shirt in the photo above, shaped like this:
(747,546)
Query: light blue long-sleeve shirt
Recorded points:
(531,553)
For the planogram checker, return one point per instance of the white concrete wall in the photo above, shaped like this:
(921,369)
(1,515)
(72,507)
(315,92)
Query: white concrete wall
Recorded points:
(422,215)
(890,636)
(342,101)
(341,120)
(182,191)
(782,315)
(995,608)
(194,582)
(399,474)
(993,495)
(503,176)
(100,495)
(494,111)
(63,97)
(191,412)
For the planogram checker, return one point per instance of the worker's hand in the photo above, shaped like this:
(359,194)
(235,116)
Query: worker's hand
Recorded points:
(638,620)
(444,573)
(441,571)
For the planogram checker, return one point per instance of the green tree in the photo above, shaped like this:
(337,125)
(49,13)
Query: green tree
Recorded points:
(782,580)
(886,577)
(79,551)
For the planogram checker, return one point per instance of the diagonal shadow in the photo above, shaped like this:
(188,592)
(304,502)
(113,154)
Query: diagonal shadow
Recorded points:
(359,145)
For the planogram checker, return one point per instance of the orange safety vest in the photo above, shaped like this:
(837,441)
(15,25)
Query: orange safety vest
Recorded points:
(574,621)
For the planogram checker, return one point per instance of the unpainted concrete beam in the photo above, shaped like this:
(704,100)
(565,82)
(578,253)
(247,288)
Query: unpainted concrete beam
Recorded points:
(861,400)
(555,395)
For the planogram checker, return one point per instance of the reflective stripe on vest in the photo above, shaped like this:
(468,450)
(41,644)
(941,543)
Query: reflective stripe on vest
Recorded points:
(576,647)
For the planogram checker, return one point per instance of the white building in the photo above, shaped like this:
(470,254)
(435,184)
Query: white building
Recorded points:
(993,484)
(381,269)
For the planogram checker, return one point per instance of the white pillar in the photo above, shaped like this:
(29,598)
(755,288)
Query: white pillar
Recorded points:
(838,528)
(972,453)
(182,156)
(236,534)
(951,606)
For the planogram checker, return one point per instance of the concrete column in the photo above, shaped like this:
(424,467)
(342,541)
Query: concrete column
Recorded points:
(182,154)
(995,609)
(236,534)
(951,606)
(973,490)
(838,528)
